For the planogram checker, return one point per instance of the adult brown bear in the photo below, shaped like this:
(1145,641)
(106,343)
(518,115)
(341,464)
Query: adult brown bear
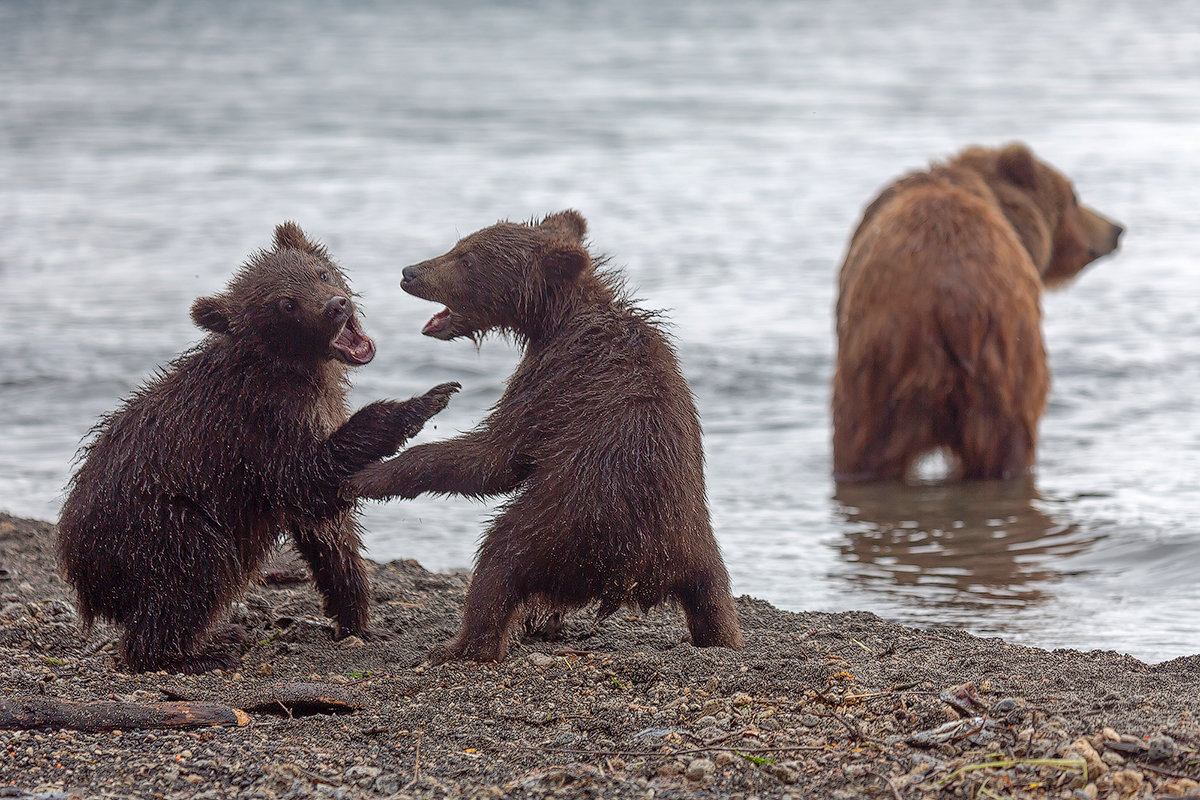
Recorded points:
(939,314)
(596,434)
(242,440)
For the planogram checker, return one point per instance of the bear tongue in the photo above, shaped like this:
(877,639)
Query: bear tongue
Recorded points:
(355,347)
(438,323)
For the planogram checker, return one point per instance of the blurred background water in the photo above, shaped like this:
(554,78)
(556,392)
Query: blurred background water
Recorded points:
(722,153)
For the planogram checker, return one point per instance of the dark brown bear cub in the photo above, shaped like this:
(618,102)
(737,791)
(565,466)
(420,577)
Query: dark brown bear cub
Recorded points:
(239,441)
(596,434)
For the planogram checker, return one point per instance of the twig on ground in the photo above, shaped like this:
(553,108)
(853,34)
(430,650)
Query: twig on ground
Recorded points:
(1168,772)
(658,753)
(416,766)
(890,784)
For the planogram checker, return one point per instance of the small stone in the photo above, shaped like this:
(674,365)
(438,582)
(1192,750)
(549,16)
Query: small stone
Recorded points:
(699,769)
(1110,734)
(1112,758)
(185,753)
(712,706)
(264,669)
(541,660)
(362,775)
(742,699)
(1178,786)
(1088,792)
(670,769)
(387,784)
(1082,748)
(712,685)
(706,722)
(784,774)
(1127,782)
(769,724)
(340,680)
(723,759)
(1160,748)
(809,721)
(1004,706)
(351,642)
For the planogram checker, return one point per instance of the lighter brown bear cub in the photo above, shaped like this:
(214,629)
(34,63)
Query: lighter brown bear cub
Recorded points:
(239,442)
(596,436)
(939,314)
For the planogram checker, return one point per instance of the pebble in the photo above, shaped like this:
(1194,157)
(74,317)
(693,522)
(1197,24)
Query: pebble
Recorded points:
(810,721)
(1160,748)
(742,699)
(670,769)
(724,759)
(699,769)
(708,721)
(1082,748)
(1178,786)
(352,641)
(1005,705)
(1127,782)
(541,660)
(1112,758)
(784,774)
(362,775)
(769,724)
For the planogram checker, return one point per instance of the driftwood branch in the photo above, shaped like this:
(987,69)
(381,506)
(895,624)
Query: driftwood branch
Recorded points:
(43,713)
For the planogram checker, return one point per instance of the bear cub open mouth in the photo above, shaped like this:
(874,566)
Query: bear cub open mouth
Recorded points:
(352,345)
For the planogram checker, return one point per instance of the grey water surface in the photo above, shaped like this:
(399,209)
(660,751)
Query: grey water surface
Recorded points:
(722,153)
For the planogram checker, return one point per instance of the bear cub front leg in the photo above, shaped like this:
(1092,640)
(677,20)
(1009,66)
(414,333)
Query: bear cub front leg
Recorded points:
(378,430)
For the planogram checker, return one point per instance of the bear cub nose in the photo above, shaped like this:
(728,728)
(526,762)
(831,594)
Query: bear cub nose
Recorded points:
(338,306)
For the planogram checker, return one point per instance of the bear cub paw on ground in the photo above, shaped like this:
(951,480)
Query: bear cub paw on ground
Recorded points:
(186,488)
(939,314)
(596,438)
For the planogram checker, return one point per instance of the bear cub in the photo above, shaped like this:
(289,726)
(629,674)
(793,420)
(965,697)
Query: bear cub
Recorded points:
(596,437)
(186,488)
(939,314)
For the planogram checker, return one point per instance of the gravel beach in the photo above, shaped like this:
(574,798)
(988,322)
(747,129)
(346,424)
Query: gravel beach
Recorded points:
(817,705)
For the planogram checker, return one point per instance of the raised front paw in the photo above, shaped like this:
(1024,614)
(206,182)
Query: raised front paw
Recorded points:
(422,407)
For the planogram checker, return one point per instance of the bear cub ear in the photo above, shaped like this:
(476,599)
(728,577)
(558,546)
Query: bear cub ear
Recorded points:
(289,234)
(568,224)
(1016,165)
(211,313)
(562,262)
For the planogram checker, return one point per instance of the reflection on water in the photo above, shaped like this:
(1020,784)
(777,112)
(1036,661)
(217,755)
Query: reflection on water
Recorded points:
(971,545)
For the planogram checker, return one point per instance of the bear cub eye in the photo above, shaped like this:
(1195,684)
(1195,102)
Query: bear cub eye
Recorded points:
(468,261)
(287,306)
(324,275)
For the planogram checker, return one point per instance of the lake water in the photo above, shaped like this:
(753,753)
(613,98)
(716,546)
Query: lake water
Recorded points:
(722,153)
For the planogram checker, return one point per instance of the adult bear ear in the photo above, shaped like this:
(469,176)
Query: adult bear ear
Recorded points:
(289,234)
(1016,165)
(211,313)
(562,262)
(568,224)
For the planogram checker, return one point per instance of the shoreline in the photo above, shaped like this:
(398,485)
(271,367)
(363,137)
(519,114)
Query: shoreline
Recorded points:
(843,705)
